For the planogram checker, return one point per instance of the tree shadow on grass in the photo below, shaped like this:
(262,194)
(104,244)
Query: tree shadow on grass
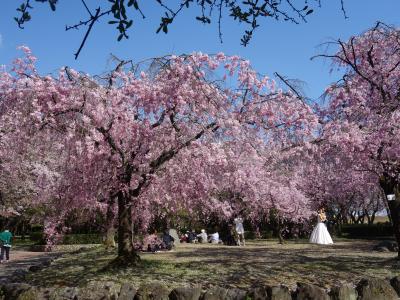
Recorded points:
(7,269)
(210,265)
(313,264)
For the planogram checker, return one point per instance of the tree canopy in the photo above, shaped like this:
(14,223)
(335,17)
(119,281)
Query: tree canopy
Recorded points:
(204,134)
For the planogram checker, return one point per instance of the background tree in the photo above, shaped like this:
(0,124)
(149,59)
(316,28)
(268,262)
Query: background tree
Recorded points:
(363,113)
(123,137)
(332,179)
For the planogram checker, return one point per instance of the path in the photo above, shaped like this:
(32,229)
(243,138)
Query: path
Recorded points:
(22,260)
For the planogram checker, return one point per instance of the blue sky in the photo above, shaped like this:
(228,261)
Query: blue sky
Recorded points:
(277,46)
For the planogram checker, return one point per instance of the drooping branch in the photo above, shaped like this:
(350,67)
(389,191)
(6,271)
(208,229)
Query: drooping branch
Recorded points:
(291,87)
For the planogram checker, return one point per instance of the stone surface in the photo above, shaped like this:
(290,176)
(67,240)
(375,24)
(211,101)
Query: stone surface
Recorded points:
(236,294)
(97,290)
(216,293)
(18,291)
(368,289)
(344,292)
(127,292)
(395,283)
(258,293)
(185,293)
(67,293)
(45,293)
(174,234)
(152,291)
(279,293)
(307,291)
(375,289)
(219,293)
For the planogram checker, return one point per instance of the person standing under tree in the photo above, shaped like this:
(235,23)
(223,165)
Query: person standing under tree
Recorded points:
(5,243)
(320,234)
(239,230)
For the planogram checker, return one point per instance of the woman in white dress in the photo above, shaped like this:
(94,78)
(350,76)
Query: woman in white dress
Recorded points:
(320,234)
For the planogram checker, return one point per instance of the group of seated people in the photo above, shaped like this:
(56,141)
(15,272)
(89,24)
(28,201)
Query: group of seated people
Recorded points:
(191,237)
(153,243)
(234,236)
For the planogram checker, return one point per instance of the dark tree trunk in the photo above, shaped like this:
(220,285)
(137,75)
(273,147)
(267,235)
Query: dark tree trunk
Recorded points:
(345,219)
(392,186)
(373,217)
(126,253)
(338,223)
(370,218)
(23,229)
(394,207)
(360,218)
(389,216)
(352,215)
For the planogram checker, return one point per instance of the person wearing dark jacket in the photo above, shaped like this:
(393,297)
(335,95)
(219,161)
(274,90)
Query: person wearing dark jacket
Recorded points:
(192,236)
(168,240)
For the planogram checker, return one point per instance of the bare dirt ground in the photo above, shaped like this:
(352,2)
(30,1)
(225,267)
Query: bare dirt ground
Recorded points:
(265,262)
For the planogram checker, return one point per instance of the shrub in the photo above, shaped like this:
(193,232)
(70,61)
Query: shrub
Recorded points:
(73,239)
(365,231)
(37,237)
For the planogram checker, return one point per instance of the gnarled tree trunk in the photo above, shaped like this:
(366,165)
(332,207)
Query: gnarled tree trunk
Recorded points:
(391,186)
(126,253)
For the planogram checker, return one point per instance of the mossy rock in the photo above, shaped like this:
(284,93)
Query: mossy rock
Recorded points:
(19,291)
(152,291)
(375,289)
(344,292)
(185,293)
(307,291)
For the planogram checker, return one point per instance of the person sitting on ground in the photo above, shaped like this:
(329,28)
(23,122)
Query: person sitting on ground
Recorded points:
(5,243)
(184,237)
(168,240)
(192,237)
(203,236)
(214,238)
(152,243)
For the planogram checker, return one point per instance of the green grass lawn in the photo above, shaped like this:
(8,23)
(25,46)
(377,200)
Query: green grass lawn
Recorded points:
(265,262)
